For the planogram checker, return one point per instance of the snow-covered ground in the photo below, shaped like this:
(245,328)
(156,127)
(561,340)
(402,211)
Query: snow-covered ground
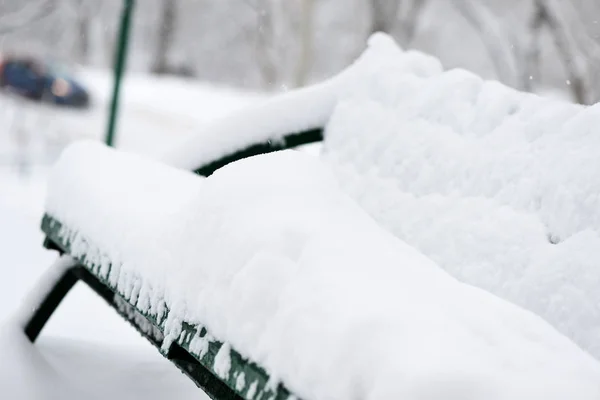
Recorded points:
(86,350)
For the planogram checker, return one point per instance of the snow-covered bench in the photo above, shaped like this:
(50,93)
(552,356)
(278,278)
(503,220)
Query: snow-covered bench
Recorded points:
(266,280)
(501,188)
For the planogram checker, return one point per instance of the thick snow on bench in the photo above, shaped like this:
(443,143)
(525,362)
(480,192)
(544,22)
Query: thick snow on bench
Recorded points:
(500,188)
(298,110)
(279,264)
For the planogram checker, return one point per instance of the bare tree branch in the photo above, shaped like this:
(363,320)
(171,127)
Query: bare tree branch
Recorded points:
(409,22)
(587,41)
(265,42)
(82,14)
(398,18)
(306,42)
(166,31)
(494,37)
(531,62)
(384,15)
(567,50)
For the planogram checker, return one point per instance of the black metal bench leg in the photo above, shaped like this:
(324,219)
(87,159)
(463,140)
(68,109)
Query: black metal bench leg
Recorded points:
(200,375)
(205,379)
(51,302)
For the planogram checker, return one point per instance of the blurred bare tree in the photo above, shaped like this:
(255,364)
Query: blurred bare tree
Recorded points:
(305,59)
(166,31)
(533,45)
(266,56)
(547,15)
(497,38)
(399,18)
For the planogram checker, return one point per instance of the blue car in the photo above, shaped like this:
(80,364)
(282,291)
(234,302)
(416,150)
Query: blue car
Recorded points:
(42,82)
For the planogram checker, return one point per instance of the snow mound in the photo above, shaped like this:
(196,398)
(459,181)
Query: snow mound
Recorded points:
(298,110)
(274,260)
(500,188)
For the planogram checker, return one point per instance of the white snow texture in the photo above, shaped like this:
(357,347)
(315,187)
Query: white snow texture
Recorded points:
(500,188)
(278,263)
(276,260)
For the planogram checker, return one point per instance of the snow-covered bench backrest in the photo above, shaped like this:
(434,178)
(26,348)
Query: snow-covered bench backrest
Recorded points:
(500,188)
(298,110)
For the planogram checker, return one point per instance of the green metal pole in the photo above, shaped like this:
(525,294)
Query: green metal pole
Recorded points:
(118,69)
